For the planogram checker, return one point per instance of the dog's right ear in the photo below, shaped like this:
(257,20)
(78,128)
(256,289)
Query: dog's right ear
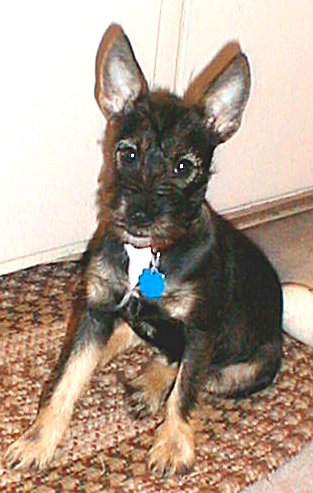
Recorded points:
(224,98)
(119,79)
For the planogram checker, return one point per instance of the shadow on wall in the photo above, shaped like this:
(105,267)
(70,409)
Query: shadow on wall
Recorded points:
(209,73)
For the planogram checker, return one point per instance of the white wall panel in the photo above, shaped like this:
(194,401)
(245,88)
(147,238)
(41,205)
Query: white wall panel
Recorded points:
(50,122)
(272,154)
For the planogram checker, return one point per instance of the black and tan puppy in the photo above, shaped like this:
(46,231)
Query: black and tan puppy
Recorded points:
(208,298)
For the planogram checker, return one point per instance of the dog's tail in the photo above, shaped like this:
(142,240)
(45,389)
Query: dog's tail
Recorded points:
(298,311)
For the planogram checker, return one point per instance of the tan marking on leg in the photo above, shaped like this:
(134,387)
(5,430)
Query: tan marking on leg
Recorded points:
(37,446)
(173,450)
(150,388)
(122,338)
(234,378)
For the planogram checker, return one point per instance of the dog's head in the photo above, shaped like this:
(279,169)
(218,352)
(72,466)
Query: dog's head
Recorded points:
(158,147)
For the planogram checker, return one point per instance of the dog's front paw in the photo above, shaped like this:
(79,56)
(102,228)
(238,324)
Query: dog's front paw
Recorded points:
(173,450)
(31,451)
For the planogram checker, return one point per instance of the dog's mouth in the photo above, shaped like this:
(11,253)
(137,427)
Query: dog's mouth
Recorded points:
(135,236)
(138,240)
(156,243)
(158,236)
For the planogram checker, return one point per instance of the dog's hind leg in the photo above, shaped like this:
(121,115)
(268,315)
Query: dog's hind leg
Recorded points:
(241,379)
(89,342)
(149,390)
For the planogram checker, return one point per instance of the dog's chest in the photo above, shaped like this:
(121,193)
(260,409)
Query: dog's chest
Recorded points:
(143,273)
(175,296)
(139,259)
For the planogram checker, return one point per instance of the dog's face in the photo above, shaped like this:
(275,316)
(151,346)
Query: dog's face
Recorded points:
(161,156)
(159,147)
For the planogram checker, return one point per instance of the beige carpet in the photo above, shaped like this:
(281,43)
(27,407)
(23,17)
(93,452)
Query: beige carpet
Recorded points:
(238,442)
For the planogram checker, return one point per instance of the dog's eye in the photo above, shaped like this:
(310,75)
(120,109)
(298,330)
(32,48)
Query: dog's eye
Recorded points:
(129,155)
(184,168)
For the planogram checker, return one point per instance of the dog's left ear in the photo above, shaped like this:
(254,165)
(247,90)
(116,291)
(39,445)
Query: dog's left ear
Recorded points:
(119,79)
(225,98)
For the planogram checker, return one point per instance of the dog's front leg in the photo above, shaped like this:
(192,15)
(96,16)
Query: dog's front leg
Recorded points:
(174,448)
(94,336)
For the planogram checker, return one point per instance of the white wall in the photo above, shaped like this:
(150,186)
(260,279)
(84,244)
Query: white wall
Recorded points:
(272,154)
(50,123)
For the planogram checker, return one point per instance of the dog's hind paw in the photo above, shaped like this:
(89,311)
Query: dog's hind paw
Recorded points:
(147,393)
(137,403)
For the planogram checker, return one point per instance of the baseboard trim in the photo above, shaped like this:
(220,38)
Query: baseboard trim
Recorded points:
(271,210)
(60,254)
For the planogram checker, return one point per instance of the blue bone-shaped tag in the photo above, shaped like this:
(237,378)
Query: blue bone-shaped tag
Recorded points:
(152,283)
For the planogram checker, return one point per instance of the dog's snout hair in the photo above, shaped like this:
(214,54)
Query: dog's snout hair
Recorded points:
(140,211)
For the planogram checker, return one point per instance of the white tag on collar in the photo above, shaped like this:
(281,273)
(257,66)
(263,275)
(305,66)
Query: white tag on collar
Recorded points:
(139,259)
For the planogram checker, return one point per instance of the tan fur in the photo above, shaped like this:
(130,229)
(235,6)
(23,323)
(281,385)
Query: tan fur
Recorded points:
(179,299)
(101,278)
(173,450)
(38,444)
(122,338)
(153,384)
(234,377)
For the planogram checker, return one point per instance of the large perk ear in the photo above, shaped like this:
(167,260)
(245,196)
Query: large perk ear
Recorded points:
(225,98)
(119,79)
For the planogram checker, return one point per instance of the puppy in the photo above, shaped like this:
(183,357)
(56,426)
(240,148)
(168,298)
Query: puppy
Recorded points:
(164,267)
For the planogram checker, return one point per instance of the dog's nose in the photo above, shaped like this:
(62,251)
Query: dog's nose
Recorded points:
(140,218)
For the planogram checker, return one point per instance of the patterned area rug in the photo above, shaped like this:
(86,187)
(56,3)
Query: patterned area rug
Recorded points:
(105,449)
